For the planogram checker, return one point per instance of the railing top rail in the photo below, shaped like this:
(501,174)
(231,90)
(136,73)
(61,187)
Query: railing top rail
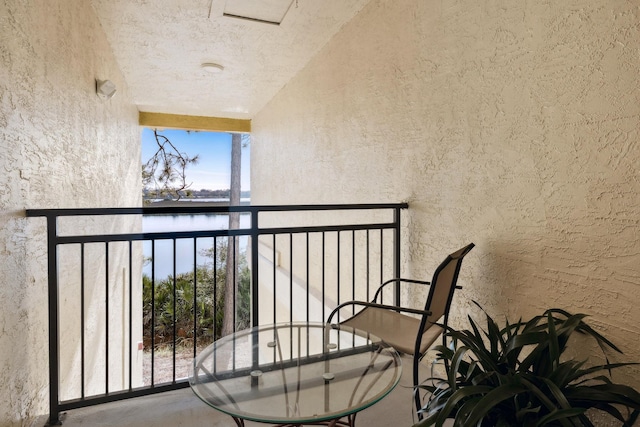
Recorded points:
(206,208)
(168,235)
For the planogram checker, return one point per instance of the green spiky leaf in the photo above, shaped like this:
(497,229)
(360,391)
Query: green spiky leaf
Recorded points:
(516,375)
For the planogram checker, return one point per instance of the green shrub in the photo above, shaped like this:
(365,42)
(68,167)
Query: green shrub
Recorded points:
(204,318)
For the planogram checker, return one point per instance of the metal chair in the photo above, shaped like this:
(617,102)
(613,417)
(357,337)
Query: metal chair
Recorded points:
(410,334)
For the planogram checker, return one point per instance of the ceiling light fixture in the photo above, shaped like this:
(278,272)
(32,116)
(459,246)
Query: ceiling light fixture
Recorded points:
(212,68)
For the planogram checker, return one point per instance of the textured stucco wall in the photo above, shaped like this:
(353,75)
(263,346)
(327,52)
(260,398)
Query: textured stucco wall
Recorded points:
(514,125)
(61,146)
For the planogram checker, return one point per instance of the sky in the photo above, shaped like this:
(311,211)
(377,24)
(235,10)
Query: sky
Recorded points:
(213,171)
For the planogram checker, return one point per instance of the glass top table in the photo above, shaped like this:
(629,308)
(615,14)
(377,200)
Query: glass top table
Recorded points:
(295,374)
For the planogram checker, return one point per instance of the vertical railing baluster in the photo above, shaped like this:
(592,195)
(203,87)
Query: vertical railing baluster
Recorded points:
(353,267)
(275,278)
(215,288)
(130,315)
(106,317)
(82,325)
(290,277)
(234,280)
(338,268)
(353,278)
(368,268)
(152,332)
(323,277)
(381,263)
(195,296)
(291,345)
(173,314)
(307,279)
(254,287)
(396,254)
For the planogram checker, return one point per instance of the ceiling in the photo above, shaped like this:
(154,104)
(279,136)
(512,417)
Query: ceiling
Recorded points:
(160,46)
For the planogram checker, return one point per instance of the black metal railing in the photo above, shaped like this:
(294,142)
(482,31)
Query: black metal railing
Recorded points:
(103,267)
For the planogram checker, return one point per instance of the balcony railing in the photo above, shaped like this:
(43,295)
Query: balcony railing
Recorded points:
(103,266)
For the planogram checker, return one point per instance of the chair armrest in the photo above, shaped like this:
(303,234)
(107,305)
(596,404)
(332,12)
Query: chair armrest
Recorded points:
(401,280)
(398,280)
(373,304)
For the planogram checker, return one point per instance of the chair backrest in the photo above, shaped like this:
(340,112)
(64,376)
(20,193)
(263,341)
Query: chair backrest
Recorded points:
(443,285)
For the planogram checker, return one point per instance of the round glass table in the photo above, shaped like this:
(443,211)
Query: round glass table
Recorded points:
(295,374)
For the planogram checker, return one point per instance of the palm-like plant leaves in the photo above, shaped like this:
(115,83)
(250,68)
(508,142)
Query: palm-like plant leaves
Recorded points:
(515,375)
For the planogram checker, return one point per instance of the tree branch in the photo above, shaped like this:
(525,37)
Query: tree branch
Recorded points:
(166,169)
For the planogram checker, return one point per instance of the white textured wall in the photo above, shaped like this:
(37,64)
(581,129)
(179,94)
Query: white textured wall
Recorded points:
(60,146)
(514,125)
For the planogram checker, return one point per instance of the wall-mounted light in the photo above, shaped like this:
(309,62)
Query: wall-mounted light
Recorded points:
(105,89)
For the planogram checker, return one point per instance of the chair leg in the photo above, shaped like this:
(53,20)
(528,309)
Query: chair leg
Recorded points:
(416,391)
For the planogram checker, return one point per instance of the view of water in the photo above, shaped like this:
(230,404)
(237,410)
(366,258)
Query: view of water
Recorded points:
(184,247)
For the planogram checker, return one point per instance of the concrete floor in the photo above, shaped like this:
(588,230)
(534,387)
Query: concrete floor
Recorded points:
(183,408)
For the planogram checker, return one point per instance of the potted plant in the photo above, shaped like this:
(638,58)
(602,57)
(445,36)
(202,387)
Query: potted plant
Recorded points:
(517,376)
